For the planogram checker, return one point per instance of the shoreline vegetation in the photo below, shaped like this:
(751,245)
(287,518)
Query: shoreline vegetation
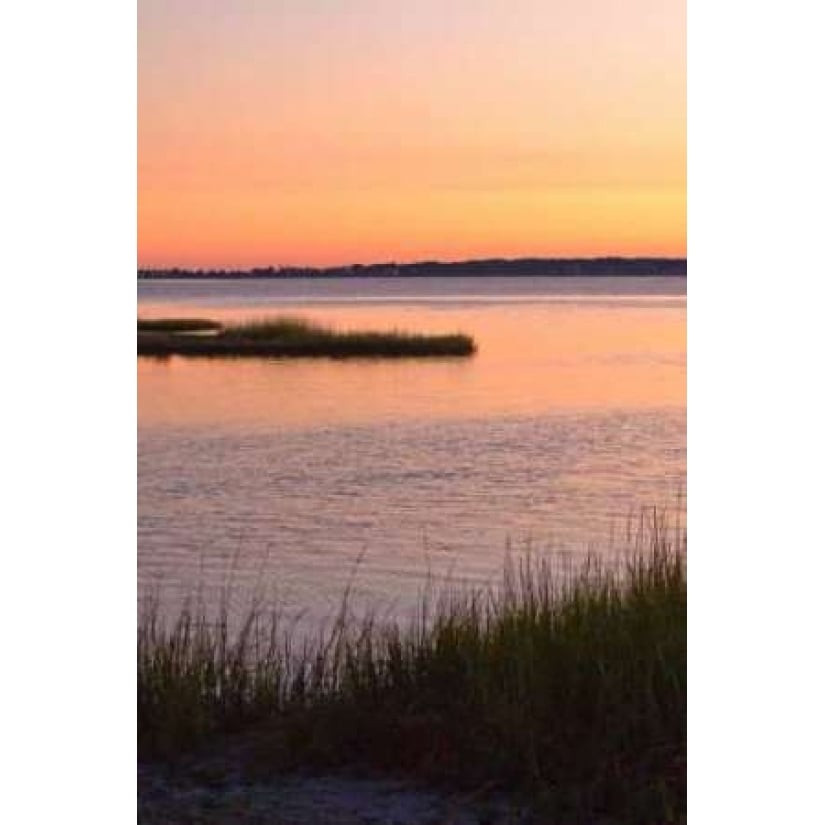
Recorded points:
(494,267)
(286,337)
(563,686)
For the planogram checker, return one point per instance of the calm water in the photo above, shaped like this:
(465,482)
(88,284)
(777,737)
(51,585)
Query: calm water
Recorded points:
(281,473)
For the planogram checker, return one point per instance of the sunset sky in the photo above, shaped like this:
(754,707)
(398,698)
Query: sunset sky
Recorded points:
(339,131)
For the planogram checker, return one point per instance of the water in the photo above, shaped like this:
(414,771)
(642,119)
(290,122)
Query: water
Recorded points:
(283,473)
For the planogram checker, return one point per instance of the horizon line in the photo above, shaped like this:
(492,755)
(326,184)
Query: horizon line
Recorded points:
(413,263)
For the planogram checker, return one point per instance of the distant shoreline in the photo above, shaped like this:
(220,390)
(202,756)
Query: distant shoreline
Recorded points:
(492,268)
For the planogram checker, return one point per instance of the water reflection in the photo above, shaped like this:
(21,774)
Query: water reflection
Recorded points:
(531,359)
(570,417)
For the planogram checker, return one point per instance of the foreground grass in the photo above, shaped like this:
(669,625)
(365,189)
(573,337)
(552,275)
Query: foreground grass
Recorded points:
(290,337)
(571,688)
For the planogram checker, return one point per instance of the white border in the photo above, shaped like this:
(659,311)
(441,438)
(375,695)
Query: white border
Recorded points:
(754,411)
(69,402)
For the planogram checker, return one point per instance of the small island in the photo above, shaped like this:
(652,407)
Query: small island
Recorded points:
(286,337)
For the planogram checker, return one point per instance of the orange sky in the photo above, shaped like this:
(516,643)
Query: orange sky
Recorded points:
(340,131)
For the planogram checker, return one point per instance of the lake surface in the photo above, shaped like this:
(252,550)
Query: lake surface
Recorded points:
(283,473)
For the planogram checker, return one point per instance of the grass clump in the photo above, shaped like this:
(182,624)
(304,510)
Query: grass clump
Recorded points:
(293,337)
(177,325)
(284,327)
(568,686)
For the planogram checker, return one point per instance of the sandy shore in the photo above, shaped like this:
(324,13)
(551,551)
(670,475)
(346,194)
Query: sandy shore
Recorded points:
(203,794)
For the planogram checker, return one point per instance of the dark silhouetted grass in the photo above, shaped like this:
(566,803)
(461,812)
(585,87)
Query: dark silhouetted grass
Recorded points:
(284,327)
(177,325)
(568,686)
(293,337)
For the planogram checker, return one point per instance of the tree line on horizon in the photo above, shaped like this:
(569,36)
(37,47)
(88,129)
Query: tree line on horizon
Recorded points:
(494,267)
